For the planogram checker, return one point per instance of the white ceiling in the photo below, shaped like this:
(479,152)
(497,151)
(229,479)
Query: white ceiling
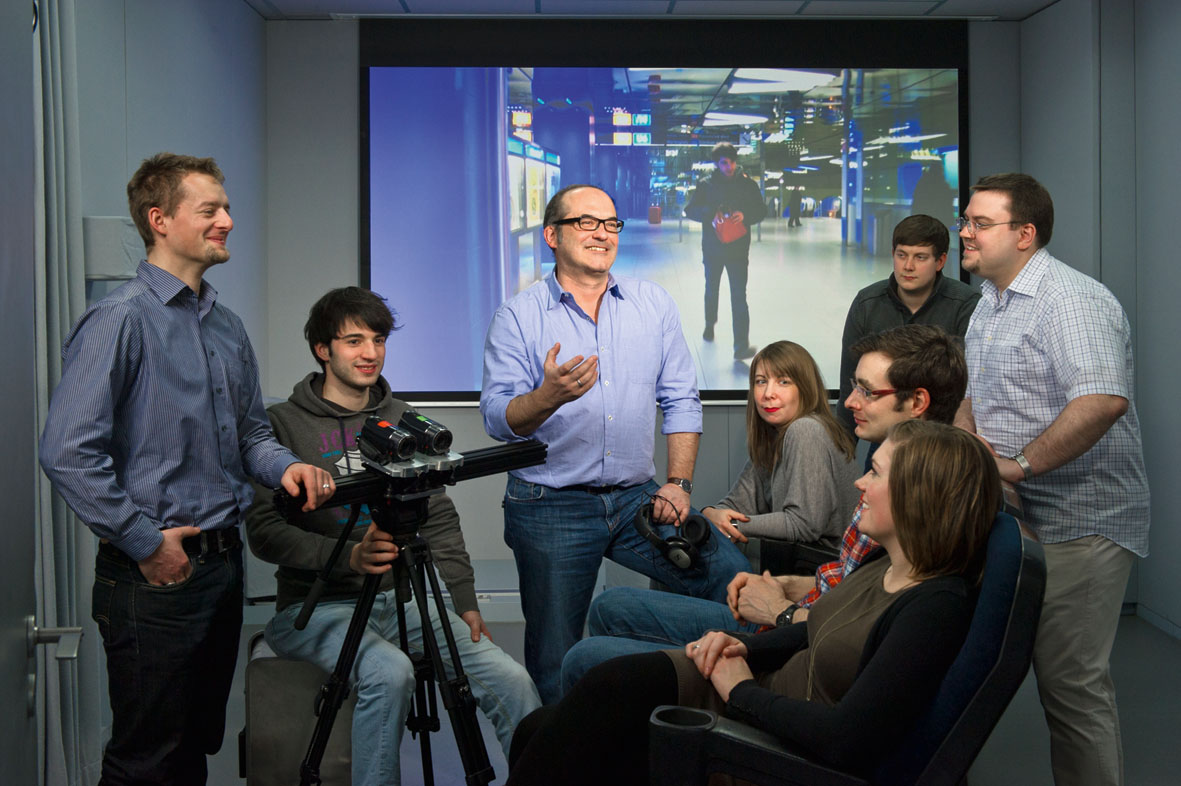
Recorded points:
(1007,10)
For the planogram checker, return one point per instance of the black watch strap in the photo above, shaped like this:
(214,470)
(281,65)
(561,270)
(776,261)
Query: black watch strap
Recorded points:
(784,618)
(685,484)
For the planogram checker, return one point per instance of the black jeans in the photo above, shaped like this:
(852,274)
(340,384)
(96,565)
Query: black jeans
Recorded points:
(736,269)
(171,653)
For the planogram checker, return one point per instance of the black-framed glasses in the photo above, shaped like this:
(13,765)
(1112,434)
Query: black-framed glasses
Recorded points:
(870,395)
(975,226)
(590,223)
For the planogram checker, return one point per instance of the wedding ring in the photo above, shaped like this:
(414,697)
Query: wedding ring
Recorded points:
(579,381)
(170,584)
(696,646)
(325,487)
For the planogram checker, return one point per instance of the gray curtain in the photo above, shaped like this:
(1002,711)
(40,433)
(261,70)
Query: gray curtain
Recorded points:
(70,693)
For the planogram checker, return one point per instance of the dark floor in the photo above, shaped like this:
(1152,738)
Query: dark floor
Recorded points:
(1145,663)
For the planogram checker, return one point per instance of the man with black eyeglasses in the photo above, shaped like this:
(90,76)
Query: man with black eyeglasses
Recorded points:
(580,360)
(1050,388)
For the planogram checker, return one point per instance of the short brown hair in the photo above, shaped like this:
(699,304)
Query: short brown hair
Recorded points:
(922,356)
(944,494)
(158,183)
(922,230)
(787,358)
(1029,201)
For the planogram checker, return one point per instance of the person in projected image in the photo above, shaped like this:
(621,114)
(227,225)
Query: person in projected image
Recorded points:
(580,361)
(346,332)
(911,372)
(728,204)
(916,293)
(847,685)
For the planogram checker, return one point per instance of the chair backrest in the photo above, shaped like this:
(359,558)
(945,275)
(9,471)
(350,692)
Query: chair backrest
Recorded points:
(988,670)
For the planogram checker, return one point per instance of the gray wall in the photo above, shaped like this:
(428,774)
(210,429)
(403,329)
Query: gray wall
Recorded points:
(185,78)
(1152,237)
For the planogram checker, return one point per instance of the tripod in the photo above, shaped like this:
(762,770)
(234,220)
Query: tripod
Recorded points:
(401,515)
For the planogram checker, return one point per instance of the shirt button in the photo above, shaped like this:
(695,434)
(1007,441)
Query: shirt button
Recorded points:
(607,382)
(608,453)
(602,349)
(610,417)
(224,428)
(213,353)
(219,390)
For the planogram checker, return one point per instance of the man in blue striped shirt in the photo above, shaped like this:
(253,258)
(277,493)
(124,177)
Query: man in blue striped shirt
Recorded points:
(152,432)
(580,360)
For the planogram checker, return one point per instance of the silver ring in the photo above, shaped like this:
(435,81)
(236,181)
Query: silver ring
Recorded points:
(579,381)
(325,487)
(696,646)
(170,584)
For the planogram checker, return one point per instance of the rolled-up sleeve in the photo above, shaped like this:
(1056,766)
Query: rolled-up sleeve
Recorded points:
(676,388)
(508,373)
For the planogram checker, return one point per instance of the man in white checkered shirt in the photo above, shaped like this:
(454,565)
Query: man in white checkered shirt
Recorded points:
(1050,385)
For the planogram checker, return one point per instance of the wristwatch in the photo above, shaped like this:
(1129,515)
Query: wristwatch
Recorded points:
(784,618)
(1024,464)
(686,485)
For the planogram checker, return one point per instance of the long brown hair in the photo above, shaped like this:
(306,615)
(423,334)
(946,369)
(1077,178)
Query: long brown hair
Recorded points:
(944,494)
(788,359)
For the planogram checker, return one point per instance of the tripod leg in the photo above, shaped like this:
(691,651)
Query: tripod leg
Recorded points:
(424,716)
(456,692)
(336,689)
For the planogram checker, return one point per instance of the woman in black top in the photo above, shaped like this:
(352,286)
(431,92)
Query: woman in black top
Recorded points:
(845,685)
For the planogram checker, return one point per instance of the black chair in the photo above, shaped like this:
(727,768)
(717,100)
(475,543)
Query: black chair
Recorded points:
(687,745)
(788,558)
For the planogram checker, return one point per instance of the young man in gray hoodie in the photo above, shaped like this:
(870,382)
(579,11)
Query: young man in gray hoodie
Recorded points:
(346,331)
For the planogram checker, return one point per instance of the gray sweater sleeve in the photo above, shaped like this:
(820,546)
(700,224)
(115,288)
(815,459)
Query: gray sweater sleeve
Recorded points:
(449,551)
(804,487)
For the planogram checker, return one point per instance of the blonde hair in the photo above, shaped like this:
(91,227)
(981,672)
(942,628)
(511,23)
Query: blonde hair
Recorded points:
(788,359)
(944,494)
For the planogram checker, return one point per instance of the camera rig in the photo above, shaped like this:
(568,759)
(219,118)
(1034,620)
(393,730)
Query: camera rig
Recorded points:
(405,465)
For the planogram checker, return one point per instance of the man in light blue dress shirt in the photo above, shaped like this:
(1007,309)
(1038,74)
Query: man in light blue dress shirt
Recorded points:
(581,360)
(1050,380)
(152,432)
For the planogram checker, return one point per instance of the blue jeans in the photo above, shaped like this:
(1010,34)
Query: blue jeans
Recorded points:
(383,677)
(171,653)
(559,538)
(627,620)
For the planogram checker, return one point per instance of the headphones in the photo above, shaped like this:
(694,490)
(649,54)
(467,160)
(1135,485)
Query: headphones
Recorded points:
(683,549)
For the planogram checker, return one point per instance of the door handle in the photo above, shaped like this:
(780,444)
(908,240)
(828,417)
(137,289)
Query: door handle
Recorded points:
(67,639)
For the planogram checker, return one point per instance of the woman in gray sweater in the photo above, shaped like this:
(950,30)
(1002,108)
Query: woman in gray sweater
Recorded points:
(798,483)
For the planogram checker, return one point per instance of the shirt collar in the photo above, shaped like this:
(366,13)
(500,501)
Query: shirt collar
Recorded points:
(1030,277)
(166,286)
(556,292)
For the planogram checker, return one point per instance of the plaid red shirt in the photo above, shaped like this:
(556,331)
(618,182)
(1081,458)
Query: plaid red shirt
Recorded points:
(855,548)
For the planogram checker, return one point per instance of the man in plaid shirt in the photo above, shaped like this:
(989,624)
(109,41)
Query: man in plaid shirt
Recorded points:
(913,371)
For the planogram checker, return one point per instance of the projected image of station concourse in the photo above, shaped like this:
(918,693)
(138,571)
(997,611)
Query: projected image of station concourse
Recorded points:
(838,156)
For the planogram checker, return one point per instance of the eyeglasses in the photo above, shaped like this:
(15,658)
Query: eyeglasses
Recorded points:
(975,226)
(870,395)
(590,223)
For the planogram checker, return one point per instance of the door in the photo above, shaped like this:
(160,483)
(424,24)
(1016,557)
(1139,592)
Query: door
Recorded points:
(18,743)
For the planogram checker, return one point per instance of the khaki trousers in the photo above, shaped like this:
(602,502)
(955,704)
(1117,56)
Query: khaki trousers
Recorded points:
(1085,583)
